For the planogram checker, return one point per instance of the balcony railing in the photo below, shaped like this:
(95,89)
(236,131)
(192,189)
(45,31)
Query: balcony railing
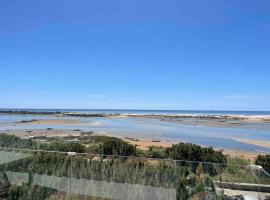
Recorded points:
(31,174)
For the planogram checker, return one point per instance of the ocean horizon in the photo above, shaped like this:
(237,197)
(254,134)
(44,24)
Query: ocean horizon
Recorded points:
(142,111)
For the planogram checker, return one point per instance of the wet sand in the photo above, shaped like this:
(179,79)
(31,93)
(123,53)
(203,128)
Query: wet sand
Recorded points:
(145,144)
(31,133)
(249,155)
(262,143)
(59,121)
(251,118)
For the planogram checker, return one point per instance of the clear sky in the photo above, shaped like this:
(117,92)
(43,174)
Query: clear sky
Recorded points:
(135,54)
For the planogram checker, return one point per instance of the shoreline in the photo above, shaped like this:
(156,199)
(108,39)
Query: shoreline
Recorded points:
(261,143)
(262,118)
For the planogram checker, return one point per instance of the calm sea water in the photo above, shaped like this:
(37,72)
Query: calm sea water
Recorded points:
(142,128)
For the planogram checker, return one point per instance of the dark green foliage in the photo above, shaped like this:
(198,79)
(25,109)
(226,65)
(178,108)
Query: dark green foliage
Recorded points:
(192,152)
(100,138)
(63,146)
(264,161)
(115,146)
(15,142)
(156,152)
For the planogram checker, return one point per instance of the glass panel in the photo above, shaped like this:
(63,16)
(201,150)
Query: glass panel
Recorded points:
(197,182)
(27,174)
(127,178)
(239,181)
(35,175)
(264,184)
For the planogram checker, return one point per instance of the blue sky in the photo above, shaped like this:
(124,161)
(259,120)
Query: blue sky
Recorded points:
(143,54)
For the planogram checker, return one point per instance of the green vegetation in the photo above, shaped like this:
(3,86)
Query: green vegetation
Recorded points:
(264,161)
(237,161)
(15,142)
(134,170)
(236,170)
(115,146)
(192,180)
(131,170)
(156,152)
(187,151)
(109,169)
(62,146)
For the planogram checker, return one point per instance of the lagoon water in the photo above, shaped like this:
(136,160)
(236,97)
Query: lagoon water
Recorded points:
(144,128)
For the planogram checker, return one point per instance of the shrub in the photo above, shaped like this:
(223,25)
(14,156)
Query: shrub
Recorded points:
(264,161)
(237,161)
(11,141)
(63,146)
(192,152)
(115,146)
(156,152)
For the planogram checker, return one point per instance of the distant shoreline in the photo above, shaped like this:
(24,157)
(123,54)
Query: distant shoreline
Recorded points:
(145,111)
(249,117)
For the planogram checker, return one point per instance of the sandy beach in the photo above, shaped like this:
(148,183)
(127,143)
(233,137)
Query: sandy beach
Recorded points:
(32,133)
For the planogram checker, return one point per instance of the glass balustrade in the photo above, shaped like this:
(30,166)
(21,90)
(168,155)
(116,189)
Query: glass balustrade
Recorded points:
(30,174)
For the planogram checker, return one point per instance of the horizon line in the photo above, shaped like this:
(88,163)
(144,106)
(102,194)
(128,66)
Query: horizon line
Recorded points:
(123,109)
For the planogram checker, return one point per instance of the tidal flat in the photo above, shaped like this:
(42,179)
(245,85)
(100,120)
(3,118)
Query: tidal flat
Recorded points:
(232,132)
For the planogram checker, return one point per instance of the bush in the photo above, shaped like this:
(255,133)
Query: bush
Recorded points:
(237,161)
(264,161)
(115,146)
(156,152)
(63,146)
(11,141)
(192,152)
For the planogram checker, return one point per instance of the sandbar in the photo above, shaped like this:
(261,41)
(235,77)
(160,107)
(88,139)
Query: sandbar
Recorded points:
(59,121)
(262,143)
